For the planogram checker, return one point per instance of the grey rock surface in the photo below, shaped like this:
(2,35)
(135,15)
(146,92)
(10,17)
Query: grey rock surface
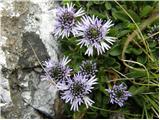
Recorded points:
(22,93)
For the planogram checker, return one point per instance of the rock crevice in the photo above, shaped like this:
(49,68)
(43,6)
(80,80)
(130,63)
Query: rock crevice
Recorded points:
(23,94)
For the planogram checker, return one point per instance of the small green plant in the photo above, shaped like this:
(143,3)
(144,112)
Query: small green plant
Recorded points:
(105,75)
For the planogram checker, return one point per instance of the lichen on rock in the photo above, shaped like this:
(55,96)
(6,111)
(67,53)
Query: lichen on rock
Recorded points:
(23,94)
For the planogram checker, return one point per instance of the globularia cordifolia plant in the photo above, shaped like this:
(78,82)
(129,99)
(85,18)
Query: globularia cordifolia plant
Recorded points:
(153,32)
(90,32)
(118,94)
(88,68)
(93,33)
(57,71)
(66,20)
(76,90)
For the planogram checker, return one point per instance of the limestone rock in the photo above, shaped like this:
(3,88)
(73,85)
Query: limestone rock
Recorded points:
(26,36)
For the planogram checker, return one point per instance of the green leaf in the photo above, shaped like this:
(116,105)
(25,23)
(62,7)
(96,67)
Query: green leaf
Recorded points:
(110,61)
(139,100)
(129,49)
(137,74)
(98,98)
(88,5)
(131,26)
(114,31)
(103,89)
(78,3)
(120,15)
(92,115)
(137,90)
(79,114)
(98,2)
(142,59)
(98,14)
(104,114)
(122,33)
(116,51)
(108,6)
(102,79)
(152,44)
(66,1)
(152,102)
(137,51)
(146,10)
(116,66)
(134,16)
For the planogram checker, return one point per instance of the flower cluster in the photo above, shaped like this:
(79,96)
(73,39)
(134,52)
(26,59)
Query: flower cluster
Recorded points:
(153,32)
(76,90)
(118,94)
(92,32)
(65,21)
(88,68)
(57,71)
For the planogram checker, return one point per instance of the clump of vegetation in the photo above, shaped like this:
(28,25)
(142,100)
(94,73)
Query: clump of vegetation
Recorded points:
(119,45)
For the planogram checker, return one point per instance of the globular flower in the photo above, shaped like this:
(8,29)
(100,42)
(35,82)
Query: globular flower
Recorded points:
(93,33)
(154,32)
(76,91)
(88,68)
(118,94)
(57,71)
(66,19)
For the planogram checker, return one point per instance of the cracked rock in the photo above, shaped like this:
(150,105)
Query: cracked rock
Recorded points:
(26,36)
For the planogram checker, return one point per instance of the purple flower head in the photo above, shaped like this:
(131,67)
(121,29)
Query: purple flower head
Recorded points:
(93,33)
(76,91)
(154,30)
(65,21)
(88,68)
(57,71)
(118,94)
